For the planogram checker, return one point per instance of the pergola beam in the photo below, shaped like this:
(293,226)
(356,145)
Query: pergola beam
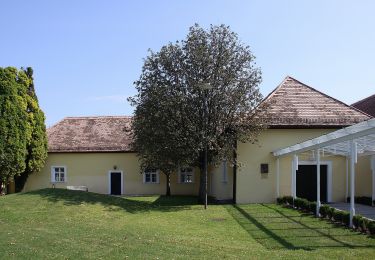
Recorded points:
(366,128)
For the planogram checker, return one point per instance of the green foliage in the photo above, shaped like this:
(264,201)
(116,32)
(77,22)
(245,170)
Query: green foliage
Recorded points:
(330,212)
(338,215)
(371,227)
(357,220)
(14,130)
(346,218)
(323,210)
(37,144)
(170,126)
(312,207)
(23,141)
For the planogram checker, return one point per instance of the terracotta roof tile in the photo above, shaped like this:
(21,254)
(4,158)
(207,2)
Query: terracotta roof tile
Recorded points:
(366,105)
(90,134)
(295,104)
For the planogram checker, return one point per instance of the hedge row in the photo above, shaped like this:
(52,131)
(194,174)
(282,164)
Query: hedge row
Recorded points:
(362,200)
(339,216)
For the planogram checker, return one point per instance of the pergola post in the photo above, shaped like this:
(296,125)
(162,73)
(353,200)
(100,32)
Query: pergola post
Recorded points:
(353,161)
(347,179)
(317,182)
(294,174)
(277,177)
(373,177)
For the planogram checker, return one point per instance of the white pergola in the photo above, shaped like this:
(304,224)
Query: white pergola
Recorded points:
(351,142)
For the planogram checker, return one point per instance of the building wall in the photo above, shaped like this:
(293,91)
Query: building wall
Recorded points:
(221,188)
(91,170)
(252,186)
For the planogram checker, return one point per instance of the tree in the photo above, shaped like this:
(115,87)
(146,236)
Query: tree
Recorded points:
(14,129)
(37,145)
(176,119)
(23,141)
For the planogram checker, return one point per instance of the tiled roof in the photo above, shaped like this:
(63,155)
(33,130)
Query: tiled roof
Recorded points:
(366,105)
(294,104)
(90,134)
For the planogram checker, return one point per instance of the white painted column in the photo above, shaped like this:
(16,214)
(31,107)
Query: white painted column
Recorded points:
(294,176)
(277,177)
(347,178)
(373,177)
(353,161)
(317,182)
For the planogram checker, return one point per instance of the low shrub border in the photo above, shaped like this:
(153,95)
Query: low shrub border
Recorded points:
(360,223)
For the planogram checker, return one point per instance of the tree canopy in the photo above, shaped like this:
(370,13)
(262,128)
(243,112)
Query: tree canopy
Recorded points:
(23,140)
(172,123)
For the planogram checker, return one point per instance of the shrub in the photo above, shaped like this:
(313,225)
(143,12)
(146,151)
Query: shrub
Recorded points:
(324,210)
(330,212)
(305,204)
(297,202)
(363,224)
(357,221)
(338,215)
(371,227)
(345,218)
(280,200)
(289,200)
(312,207)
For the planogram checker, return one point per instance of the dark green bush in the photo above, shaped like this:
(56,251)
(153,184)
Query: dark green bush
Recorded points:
(338,215)
(280,200)
(345,218)
(371,227)
(289,200)
(312,207)
(297,203)
(323,210)
(305,204)
(364,223)
(357,221)
(330,212)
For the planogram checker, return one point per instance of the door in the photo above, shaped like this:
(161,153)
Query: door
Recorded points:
(306,182)
(115,183)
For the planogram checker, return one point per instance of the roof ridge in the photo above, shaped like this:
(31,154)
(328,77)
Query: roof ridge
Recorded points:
(362,100)
(328,96)
(274,90)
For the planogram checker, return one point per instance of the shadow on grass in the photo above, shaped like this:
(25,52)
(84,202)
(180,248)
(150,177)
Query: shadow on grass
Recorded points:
(114,203)
(295,233)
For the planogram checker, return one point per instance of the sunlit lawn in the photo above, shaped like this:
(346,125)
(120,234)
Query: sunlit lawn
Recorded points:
(55,223)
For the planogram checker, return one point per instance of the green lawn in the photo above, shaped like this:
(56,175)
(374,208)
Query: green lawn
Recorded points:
(71,224)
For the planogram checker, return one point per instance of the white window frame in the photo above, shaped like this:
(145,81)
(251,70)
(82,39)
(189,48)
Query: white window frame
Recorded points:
(157,172)
(192,175)
(53,179)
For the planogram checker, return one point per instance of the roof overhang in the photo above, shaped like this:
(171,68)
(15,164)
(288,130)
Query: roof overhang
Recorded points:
(338,142)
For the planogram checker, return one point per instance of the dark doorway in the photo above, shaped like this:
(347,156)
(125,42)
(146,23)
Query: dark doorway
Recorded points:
(306,182)
(116,183)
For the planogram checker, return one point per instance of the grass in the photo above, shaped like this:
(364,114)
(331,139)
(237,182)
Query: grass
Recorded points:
(53,223)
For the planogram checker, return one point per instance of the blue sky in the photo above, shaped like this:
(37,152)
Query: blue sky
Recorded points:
(87,54)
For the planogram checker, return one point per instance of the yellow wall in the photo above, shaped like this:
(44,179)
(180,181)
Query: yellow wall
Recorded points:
(91,170)
(219,188)
(252,186)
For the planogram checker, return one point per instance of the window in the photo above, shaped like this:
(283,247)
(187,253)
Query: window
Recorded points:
(58,174)
(151,176)
(186,175)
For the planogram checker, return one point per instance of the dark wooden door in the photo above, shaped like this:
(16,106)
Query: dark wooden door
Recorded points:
(306,182)
(116,183)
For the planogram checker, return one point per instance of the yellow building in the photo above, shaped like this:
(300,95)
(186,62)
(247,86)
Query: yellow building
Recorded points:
(95,153)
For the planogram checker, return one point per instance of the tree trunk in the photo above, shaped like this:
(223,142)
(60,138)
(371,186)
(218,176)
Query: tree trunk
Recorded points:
(168,191)
(202,184)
